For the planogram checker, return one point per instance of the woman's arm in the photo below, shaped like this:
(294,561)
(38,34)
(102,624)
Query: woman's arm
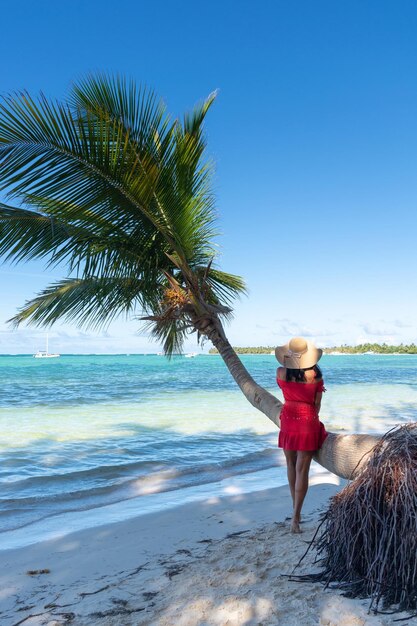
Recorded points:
(281,373)
(317,401)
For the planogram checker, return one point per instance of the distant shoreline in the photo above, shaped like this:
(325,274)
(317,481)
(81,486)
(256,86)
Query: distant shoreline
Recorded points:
(254,351)
(361,349)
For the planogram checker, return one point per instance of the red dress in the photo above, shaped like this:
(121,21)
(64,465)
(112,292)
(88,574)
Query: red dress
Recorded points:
(301,428)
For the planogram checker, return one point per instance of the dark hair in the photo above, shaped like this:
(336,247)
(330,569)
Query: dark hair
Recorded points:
(298,375)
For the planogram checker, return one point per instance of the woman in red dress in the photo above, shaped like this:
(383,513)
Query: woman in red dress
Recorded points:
(301,432)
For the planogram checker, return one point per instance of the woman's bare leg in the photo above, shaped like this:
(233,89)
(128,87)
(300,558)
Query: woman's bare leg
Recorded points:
(291,458)
(301,485)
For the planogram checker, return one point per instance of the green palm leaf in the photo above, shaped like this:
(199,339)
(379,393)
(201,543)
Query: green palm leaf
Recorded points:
(121,194)
(92,302)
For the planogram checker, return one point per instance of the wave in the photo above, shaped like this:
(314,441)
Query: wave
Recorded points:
(19,512)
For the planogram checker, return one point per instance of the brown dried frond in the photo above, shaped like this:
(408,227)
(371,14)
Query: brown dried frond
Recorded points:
(368,537)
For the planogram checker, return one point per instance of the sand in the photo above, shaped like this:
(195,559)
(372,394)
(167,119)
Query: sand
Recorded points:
(219,562)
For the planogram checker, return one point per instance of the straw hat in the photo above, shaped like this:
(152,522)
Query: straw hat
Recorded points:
(298,353)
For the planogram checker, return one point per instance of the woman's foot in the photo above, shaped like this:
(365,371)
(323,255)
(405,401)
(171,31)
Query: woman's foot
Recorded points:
(295,526)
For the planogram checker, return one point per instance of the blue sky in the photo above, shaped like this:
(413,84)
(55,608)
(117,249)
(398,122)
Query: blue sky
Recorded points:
(314,133)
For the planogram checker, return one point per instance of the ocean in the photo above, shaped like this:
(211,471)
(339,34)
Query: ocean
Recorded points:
(86,440)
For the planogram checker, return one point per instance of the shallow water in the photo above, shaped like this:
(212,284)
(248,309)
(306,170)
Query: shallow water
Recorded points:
(83,432)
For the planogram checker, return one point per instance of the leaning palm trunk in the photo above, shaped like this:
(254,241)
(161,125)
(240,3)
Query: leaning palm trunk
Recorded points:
(343,455)
(259,397)
(346,455)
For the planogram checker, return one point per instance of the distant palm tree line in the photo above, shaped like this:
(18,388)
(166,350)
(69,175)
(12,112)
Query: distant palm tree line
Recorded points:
(362,348)
(380,348)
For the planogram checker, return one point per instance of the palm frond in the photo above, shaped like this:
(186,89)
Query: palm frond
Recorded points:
(225,286)
(121,194)
(170,333)
(193,121)
(88,249)
(92,302)
(140,112)
(48,151)
(184,189)
(25,235)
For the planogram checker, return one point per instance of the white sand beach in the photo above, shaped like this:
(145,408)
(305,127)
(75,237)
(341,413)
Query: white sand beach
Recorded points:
(222,561)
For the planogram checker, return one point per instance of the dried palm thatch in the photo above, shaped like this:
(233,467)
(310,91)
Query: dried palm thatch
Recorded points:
(367,541)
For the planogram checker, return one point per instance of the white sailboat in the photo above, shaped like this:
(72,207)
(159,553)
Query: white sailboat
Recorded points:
(44,354)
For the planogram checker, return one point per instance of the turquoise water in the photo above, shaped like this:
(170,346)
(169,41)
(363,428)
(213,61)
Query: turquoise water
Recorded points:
(83,433)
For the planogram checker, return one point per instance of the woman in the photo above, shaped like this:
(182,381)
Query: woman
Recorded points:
(301,432)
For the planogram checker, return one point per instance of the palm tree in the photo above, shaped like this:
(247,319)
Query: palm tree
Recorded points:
(111,186)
